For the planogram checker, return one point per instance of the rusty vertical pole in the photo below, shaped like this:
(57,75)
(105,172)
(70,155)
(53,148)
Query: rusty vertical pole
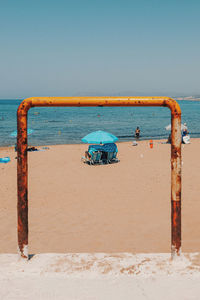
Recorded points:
(22,180)
(175,183)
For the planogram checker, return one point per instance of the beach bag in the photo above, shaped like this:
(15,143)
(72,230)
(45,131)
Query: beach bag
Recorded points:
(186,139)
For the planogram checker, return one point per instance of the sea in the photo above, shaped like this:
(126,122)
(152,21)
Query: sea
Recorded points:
(68,125)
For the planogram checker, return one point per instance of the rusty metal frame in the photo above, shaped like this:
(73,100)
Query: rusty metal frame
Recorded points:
(22,163)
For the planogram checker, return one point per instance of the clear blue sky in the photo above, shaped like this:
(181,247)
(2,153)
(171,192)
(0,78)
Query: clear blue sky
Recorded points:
(107,47)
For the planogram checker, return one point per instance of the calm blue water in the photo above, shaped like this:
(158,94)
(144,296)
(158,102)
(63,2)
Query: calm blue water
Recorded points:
(68,125)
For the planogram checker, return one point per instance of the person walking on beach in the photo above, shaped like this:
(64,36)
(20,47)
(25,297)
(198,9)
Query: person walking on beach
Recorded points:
(185,130)
(185,135)
(137,132)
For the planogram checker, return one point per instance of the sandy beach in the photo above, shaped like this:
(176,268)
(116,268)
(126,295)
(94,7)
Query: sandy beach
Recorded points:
(115,208)
(121,207)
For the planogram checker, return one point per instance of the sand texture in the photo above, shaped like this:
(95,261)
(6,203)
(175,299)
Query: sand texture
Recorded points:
(121,207)
(101,276)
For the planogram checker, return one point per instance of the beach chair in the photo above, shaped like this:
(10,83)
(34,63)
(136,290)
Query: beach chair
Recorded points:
(95,158)
(110,157)
(115,159)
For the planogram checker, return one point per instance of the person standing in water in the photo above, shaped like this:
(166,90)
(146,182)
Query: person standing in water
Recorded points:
(137,132)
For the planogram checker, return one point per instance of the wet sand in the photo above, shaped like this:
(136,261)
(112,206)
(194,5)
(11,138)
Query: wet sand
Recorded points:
(121,207)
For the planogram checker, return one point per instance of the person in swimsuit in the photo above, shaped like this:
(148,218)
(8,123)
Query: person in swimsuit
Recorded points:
(87,155)
(137,132)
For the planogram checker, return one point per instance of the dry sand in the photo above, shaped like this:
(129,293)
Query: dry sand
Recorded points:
(122,207)
(116,208)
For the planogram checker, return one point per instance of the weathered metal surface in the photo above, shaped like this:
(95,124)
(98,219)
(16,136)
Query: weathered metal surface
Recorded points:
(22,180)
(176,228)
(22,165)
(176,183)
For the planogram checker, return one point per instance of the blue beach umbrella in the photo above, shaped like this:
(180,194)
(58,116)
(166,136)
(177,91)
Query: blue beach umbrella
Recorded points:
(99,137)
(14,133)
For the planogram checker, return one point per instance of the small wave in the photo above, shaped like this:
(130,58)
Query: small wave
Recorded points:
(53,121)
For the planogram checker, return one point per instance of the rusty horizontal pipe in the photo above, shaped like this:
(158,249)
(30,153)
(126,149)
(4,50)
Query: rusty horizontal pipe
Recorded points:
(100,101)
(22,164)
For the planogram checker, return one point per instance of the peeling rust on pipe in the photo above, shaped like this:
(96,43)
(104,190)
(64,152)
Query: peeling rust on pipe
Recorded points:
(22,164)
(176,224)
(22,179)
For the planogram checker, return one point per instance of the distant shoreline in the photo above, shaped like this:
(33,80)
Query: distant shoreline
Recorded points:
(158,141)
(183,99)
